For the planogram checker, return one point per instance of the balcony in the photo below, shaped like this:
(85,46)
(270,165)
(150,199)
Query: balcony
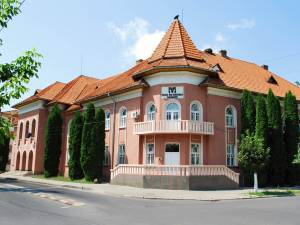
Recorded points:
(173,127)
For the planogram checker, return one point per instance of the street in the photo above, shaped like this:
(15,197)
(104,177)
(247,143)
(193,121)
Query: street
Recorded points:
(32,203)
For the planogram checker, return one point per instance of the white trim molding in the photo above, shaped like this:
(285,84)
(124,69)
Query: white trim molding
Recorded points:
(31,107)
(117,98)
(179,77)
(223,93)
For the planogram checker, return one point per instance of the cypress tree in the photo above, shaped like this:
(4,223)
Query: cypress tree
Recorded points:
(261,132)
(100,141)
(291,135)
(75,171)
(247,112)
(277,164)
(88,157)
(53,142)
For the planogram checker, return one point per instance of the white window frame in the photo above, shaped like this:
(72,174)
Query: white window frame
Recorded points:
(200,112)
(151,161)
(200,154)
(122,154)
(150,114)
(231,156)
(172,112)
(107,120)
(123,118)
(232,118)
(106,156)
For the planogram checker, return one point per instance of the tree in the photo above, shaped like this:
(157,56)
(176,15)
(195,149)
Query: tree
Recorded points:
(100,141)
(14,75)
(277,164)
(247,112)
(53,142)
(261,131)
(253,154)
(75,135)
(297,157)
(4,151)
(88,158)
(291,134)
(297,83)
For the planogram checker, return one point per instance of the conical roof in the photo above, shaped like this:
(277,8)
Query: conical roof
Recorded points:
(176,44)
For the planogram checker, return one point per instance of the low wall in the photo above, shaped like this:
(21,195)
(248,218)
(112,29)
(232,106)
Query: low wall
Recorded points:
(176,182)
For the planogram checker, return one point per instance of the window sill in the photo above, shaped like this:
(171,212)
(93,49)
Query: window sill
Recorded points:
(122,127)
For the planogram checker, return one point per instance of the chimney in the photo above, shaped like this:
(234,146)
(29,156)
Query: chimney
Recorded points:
(266,67)
(209,51)
(223,53)
(138,61)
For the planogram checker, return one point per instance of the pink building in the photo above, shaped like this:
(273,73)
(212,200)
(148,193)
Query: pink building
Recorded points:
(172,120)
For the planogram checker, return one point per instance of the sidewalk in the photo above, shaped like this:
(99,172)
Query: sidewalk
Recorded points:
(125,191)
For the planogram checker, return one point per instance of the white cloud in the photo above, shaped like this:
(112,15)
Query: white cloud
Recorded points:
(242,24)
(220,38)
(138,40)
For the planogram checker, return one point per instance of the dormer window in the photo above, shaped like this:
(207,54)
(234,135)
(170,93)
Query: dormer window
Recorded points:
(217,68)
(272,80)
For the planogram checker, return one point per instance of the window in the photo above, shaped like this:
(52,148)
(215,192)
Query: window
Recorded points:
(151,112)
(107,120)
(21,131)
(230,155)
(229,117)
(150,153)
(122,154)
(123,116)
(33,128)
(195,154)
(195,112)
(106,156)
(172,111)
(27,135)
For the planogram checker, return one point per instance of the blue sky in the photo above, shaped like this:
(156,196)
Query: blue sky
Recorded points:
(106,37)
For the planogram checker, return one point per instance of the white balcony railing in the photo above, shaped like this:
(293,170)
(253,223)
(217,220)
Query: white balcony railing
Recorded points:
(175,170)
(174,126)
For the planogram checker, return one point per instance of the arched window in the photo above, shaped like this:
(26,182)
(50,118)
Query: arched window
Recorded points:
(230,116)
(151,112)
(123,117)
(33,128)
(172,111)
(27,130)
(21,131)
(196,111)
(107,120)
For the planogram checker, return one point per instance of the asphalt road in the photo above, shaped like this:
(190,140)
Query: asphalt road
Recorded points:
(24,203)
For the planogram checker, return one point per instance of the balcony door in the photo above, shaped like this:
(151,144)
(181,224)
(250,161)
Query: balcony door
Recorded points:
(172,154)
(172,111)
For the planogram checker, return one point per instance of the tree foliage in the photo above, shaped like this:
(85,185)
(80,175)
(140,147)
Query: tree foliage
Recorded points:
(247,112)
(252,152)
(277,165)
(53,141)
(15,75)
(75,135)
(261,126)
(100,141)
(4,152)
(88,158)
(291,134)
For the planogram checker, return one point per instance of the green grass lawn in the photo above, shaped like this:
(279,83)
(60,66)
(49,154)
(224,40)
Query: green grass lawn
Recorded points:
(275,193)
(61,178)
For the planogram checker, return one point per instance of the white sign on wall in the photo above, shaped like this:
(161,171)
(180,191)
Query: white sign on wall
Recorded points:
(172,92)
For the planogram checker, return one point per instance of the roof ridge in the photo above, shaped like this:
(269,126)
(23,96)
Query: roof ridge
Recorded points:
(181,39)
(169,39)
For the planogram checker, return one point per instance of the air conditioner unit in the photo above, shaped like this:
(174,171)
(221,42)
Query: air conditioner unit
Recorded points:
(135,115)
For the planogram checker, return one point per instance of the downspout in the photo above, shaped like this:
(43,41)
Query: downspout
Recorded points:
(113,131)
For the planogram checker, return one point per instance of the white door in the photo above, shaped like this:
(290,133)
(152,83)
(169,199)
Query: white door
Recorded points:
(172,154)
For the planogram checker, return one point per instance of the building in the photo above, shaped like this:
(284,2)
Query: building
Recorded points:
(172,121)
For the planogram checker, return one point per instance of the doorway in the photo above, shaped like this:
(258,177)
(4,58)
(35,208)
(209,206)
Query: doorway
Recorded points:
(172,154)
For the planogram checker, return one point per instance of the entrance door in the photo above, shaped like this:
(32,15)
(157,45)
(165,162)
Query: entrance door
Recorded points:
(172,154)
